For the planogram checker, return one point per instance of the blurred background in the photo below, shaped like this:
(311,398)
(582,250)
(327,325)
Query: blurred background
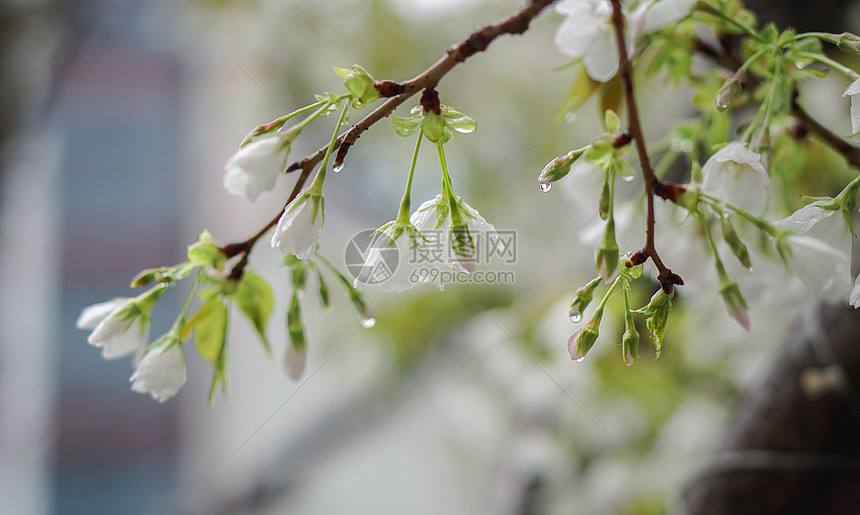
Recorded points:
(116,120)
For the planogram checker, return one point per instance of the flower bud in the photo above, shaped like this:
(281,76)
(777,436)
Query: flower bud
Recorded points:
(630,345)
(735,303)
(558,168)
(606,255)
(360,84)
(734,242)
(584,296)
(581,341)
(849,43)
(729,91)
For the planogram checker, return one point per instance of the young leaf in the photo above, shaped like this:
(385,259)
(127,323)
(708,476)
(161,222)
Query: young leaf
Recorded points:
(254,297)
(210,329)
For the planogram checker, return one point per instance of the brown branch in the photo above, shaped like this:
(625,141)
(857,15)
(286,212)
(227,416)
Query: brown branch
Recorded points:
(664,274)
(851,153)
(476,41)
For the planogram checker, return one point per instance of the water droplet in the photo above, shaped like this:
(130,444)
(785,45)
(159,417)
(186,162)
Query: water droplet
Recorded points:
(368,322)
(545,186)
(575,315)
(627,178)
(723,105)
(337,167)
(578,358)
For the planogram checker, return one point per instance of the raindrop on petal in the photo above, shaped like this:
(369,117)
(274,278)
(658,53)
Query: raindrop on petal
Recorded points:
(575,315)
(545,186)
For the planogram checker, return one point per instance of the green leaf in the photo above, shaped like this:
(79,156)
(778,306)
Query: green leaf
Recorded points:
(611,121)
(254,297)
(458,121)
(406,126)
(210,329)
(433,126)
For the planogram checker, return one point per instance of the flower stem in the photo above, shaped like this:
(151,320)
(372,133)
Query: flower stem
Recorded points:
(709,9)
(317,185)
(448,188)
(278,123)
(406,201)
(851,74)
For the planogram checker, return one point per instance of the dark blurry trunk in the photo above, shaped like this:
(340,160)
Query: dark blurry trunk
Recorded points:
(793,446)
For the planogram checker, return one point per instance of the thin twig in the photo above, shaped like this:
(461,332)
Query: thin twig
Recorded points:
(664,274)
(476,41)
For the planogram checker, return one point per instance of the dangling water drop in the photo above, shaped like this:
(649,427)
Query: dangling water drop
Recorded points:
(628,178)
(578,359)
(337,167)
(545,186)
(368,322)
(575,315)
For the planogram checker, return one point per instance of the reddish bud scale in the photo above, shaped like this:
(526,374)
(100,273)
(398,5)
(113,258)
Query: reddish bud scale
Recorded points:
(637,259)
(233,249)
(668,283)
(622,139)
(668,192)
(388,88)
(341,153)
(430,101)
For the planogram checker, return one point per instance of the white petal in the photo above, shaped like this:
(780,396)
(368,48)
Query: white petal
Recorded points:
(587,33)
(295,362)
(131,341)
(736,175)
(854,299)
(92,316)
(822,268)
(255,167)
(425,218)
(161,373)
(110,327)
(299,227)
(853,88)
(661,13)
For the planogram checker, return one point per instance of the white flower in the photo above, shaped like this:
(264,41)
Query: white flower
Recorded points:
(656,14)
(295,361)
(455,244)
(853,91)
(735,174)
(396,259)
(256,167)
(821,253)
(299,227)
(118,327)
(587,33)
(819,266)
(161,372)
